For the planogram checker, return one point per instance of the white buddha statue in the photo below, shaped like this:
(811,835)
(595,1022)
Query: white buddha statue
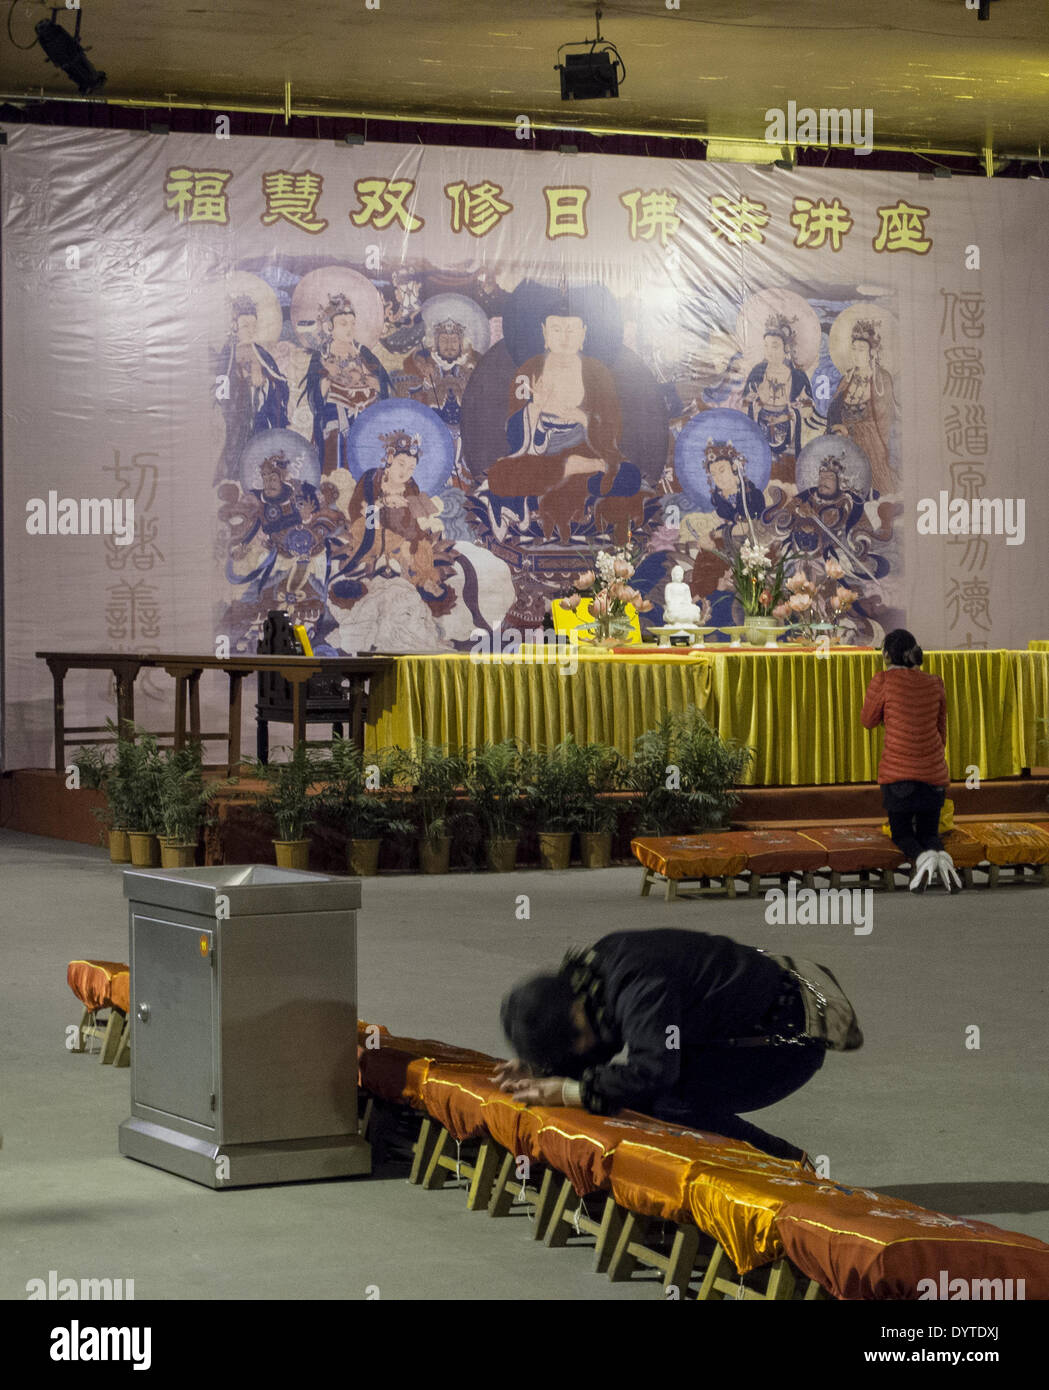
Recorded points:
(678,607)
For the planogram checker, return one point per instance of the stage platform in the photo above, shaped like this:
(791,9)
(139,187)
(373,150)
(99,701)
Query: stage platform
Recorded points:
(36,801)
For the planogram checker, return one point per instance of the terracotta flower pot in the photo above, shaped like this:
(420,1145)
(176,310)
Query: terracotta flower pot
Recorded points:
(362,856)
(119,847)
(555,848)
(145,849)
(176,853)
(292,854)
(502,856)
(434,856)
(595,849)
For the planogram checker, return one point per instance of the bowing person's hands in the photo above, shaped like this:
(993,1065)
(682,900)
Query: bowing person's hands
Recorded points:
(537,1090)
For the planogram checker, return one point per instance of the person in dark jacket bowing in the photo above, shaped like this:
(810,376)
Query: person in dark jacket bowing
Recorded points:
(711,1028)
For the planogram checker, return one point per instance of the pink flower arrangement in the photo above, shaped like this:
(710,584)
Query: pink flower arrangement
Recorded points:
(818,602)
(609,592)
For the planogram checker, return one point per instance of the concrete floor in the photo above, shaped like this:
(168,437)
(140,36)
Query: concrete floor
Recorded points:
(915,1113)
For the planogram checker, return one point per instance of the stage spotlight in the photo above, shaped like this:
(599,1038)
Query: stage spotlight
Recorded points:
(63,49)
(591,75)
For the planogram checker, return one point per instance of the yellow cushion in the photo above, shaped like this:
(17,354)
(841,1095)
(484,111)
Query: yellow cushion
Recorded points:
(946,818)
(565,620)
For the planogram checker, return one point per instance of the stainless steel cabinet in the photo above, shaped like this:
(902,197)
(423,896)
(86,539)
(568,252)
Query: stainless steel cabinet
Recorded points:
(244,1025)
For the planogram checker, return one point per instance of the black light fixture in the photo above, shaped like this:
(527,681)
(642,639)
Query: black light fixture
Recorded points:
(593,74)
(984,11)
(63,49)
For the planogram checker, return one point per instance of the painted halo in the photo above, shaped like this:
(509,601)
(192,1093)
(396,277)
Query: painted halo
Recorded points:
(840,336)
(856,469)
(721,425)
(313,292)
(303,464)
(755,314)
(463,310)
(240,284)
(367,450)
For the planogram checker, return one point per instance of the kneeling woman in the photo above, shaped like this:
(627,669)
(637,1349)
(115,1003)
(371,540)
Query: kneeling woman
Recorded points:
(913,771)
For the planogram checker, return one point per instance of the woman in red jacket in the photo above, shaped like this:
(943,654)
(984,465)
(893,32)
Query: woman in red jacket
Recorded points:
(913,772)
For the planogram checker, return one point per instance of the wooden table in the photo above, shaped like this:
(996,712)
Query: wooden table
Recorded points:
(186,671)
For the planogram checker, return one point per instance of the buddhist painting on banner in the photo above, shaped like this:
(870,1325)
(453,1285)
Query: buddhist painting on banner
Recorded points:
(408,462)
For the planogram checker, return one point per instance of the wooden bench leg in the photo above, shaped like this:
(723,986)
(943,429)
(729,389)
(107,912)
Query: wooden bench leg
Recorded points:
(436,1174)
(484,1176)
(682,1259)
(1043,874)
(754,885)
(422,1149)
(556,1233)
(730,885)
(623,1262)
(544,1204)
(111,1038)
(715,1277)
(501,1197)
(888,880)
(608,1235)
(814,1291)
(992,876)
(671,892)
(807,879)
(781,1282)
(835,878)
(646,882)
(123,1054)
(87,1020)
(967,877)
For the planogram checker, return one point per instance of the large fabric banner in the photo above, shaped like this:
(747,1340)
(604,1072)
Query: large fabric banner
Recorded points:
(406,394)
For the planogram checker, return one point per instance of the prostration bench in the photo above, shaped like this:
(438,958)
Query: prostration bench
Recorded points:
(717,858)
(717,1218)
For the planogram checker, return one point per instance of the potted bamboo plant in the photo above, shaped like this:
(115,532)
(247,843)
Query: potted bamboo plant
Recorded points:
(133,785)
(288,801)
(184,799)
(597,771)
(684,775)
(555,795)
(94,767)
(435,777)
(358,796)
(496,781)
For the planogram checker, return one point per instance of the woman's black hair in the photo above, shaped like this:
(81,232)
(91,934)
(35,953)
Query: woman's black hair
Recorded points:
(901,649)
(537,1019)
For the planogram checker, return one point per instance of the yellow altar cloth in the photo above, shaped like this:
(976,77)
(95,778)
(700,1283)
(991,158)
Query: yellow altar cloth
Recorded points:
(799,710)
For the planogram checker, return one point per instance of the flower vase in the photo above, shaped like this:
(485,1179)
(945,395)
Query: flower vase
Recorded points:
(761,631)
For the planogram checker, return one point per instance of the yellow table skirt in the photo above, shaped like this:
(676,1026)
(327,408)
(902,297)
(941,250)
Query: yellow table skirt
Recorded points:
(798,710)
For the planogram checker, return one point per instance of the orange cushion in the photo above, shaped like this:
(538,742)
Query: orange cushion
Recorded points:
(121,991)
(847,848)
(965,847)
(860,1245)
(397,1068)
(689,856)
(1012,842)
(775,851)
(92,982)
